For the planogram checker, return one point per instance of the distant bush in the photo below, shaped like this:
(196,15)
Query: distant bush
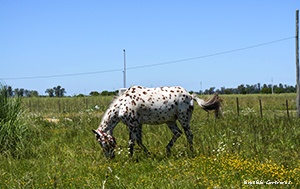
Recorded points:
(109,93)
(94,93)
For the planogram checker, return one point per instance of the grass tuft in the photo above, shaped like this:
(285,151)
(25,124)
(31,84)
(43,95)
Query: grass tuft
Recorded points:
(13,131)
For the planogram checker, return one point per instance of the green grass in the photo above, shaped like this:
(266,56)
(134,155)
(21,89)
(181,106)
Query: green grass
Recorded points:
(229,151)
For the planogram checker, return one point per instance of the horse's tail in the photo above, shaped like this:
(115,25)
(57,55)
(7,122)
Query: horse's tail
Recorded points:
(211,104)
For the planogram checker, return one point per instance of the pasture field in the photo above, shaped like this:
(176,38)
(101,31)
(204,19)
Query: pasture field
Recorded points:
(244,151)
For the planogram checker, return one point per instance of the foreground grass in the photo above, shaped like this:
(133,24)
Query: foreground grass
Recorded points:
(232,152)
(207,172)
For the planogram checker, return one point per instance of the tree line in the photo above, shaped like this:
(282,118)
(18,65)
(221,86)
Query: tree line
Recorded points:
(20,92)
(59,91)
(253,89)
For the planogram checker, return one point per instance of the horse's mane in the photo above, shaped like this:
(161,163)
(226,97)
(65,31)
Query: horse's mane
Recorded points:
(115,98)
(113,101)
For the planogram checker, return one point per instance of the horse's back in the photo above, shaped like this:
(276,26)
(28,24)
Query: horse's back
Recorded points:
(155,105)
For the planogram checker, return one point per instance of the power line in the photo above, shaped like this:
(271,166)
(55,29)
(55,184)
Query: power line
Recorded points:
(211,55)
(62,75)
(151,65)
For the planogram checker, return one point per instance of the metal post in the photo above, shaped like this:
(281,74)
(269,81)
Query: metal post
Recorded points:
(124,72)
(297,64)
(272,85)
(201,87)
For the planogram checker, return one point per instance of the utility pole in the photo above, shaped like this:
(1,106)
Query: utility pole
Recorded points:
(124,72)
(297,64)
(272,85)
(201,88)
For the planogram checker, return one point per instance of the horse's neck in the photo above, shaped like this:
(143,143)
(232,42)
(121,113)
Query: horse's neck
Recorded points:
(109,120)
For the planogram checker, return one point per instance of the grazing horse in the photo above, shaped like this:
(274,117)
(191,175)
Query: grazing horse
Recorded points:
(139,105)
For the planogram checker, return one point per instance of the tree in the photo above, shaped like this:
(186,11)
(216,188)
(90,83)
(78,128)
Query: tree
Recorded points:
(59,91)
(258,87)
(266,89)
(50,92)
(19,92)
(104,93)
(210,90)
(278,90)
(228,91)
(33,94)
(80,95)
(109,93)
(242,89)
(10,91)
(94,93)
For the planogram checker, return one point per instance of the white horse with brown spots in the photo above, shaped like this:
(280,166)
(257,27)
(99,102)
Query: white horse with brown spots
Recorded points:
(139,105)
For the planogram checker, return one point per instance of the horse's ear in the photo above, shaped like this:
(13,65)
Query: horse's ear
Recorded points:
(95,132)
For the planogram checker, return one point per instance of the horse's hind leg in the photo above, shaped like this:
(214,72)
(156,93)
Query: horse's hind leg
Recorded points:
(189,136)
(176,134)
(185,123)
(184,120)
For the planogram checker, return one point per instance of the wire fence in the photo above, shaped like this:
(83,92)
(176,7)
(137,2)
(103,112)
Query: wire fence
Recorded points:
(235,105)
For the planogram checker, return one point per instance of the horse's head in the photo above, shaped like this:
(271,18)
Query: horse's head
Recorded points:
(107,142)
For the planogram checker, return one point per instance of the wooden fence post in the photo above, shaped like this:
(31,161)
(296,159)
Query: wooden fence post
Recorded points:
(287,108)
(86,103)
(30,109)
(58,102)
(237,106)
(260,108)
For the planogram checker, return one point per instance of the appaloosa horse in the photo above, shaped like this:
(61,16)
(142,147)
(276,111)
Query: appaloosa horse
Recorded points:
(139,105)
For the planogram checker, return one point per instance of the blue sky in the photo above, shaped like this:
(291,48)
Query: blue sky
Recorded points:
(48,38)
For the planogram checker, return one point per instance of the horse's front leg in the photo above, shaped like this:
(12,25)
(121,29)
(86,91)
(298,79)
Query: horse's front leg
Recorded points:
(131,144)
(140,140)
(135,133)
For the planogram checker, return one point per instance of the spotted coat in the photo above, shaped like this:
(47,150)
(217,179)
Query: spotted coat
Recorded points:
(139,105)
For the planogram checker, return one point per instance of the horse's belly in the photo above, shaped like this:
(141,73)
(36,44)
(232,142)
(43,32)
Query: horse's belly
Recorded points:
(156,117)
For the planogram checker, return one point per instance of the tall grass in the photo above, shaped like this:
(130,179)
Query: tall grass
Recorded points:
(13,131)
